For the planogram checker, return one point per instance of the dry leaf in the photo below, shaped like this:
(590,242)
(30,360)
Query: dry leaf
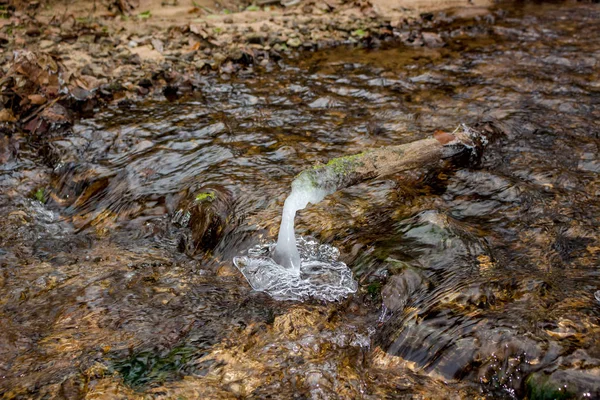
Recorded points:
(36,99)
(6,115)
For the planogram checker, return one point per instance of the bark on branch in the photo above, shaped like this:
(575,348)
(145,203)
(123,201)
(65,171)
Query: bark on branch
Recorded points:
(464,143)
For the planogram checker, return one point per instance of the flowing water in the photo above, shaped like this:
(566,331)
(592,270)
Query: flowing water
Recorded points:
(470,281)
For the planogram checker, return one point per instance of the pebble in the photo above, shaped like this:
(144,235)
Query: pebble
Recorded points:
(158,45)
(294,42)
(34,32)
(46,44)
(432,39)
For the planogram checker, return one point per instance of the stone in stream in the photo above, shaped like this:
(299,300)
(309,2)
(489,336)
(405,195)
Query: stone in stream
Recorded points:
(399,288)
(207,211)
(576,376)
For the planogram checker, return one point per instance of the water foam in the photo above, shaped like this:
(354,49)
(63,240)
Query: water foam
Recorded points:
(321,276)
(297,268)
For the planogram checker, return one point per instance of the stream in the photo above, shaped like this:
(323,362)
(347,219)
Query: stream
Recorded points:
(117,239)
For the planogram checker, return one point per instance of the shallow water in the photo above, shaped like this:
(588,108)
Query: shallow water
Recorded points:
(471,281)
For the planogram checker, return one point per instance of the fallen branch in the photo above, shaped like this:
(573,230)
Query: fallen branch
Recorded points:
(465,143)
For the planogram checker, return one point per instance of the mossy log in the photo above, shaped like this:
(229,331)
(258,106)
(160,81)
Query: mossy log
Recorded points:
(464,143)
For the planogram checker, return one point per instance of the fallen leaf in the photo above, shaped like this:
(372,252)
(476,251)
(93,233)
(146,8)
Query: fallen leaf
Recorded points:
(36,99)
(198,30)
(6,115)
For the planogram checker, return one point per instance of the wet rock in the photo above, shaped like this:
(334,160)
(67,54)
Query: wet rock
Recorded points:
(46,44)
(145,83)
(326,102)
(158,45)
(171,92)
(294,42)
(57,114)
(555,60)
(210,211)
(399,288)
(81,94)
(34,32)
(589,162)
(256,38)
(8,149)
(432,39)
(564,384)
(73,184)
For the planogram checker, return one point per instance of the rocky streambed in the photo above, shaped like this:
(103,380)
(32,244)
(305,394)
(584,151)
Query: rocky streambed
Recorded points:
(121,220)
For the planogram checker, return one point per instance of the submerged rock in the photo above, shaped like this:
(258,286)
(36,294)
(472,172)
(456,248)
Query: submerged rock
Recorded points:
(210,210)
(564,384)
(399,289)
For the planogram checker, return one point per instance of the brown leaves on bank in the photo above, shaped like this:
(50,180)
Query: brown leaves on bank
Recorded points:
(32,87)
(36,89)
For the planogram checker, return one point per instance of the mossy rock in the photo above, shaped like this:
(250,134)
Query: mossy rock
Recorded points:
(211,210)
(563,384)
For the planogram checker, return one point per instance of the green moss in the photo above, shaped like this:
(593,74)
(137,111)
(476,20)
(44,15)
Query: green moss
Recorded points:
(144,15)
(253,8)
(148,367)
(341,165)
(205,196)
(540,387)
(359,33)
(374,289)
(280,47)
(115,87)
(39,195)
